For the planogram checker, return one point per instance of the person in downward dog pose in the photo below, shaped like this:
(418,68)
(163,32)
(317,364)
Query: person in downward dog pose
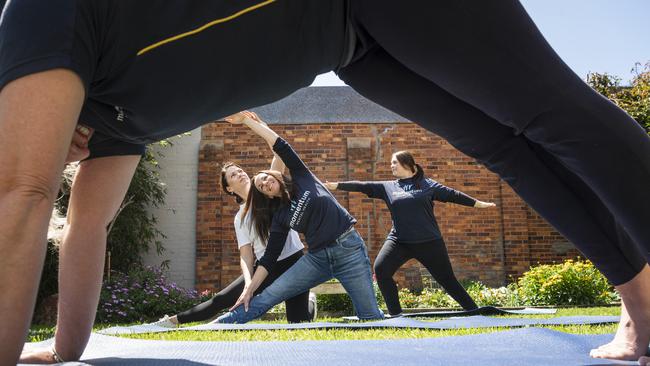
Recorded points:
(277,204)
(415,232)
(574,157)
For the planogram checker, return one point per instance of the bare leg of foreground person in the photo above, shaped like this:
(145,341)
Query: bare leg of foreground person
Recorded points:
(38,115)
(97,192)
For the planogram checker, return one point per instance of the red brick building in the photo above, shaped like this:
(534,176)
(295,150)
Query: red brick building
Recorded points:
(342,136)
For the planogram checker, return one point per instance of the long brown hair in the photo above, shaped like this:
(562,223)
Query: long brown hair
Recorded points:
(262,207)
(224,181)
(405,158)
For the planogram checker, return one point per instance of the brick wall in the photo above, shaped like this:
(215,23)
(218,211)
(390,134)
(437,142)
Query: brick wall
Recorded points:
(489,245)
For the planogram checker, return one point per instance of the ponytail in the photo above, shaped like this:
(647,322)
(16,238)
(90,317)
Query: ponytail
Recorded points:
(419,176)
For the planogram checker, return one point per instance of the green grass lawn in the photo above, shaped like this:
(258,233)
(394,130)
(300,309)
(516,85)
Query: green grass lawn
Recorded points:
(41,333)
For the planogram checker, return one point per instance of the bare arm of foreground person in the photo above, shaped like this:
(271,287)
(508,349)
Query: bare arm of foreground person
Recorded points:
(38,114)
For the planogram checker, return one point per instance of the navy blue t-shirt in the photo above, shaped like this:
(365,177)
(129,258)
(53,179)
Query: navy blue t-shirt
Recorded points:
(313,210)
(411,208)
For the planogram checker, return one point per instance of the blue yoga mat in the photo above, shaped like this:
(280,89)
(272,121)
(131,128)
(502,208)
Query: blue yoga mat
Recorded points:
(477,321)
(483,310)
(526,346)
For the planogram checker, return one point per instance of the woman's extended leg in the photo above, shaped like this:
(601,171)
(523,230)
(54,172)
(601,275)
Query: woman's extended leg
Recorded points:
(309,271)
(492,57)
(351,266)
(434,257)
(389,259)
(224,299)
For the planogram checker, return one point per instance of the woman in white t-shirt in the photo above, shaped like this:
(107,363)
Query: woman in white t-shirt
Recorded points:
(300,308)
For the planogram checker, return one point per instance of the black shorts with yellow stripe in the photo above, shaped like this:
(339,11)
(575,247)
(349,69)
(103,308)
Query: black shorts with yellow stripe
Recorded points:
(157,68)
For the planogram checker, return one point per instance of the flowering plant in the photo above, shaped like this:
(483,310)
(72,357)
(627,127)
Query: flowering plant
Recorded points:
(143,295)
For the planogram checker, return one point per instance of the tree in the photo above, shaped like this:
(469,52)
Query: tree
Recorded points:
(131,233)
(635,99)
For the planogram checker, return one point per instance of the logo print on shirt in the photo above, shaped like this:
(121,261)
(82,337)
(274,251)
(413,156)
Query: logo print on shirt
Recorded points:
(120,113)
(299,208)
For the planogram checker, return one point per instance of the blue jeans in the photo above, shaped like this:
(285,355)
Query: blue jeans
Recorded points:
(346,260)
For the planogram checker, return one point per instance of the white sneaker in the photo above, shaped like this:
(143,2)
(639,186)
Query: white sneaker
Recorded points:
(165,322)
(313,306)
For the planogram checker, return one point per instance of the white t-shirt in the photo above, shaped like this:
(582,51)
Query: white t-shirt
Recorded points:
(246,235)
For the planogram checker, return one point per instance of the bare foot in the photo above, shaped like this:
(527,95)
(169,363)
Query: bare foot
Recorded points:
(620,351)
(633,334)
(644,361)
(38,356)
(620,331)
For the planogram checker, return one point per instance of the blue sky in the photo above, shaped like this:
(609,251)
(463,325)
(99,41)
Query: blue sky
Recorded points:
(590,35)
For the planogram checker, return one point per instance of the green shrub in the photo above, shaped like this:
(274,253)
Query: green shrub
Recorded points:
(408,299)
(143,295)
(49,284)
(378,295)
(569,283)
(434,298)
(134,230)
(341,303)
(488,296)
(335,303)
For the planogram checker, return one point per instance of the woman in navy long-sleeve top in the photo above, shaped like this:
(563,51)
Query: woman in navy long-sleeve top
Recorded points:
(415,232)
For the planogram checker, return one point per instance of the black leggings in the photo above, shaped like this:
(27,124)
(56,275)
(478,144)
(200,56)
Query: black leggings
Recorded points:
(297,307)
(433,255)
(480,75)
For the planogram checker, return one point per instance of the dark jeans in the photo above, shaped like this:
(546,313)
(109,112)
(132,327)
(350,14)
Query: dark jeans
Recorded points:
(480,75)
(297,306)
(433,255)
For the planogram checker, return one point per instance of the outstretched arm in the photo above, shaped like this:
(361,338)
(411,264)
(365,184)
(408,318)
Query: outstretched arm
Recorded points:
(445,194)
(282,148)
(252,121)
(371,189)
(246,261)
(277,164)
(481,204)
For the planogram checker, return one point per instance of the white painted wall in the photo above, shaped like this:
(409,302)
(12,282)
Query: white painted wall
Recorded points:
(177,219)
